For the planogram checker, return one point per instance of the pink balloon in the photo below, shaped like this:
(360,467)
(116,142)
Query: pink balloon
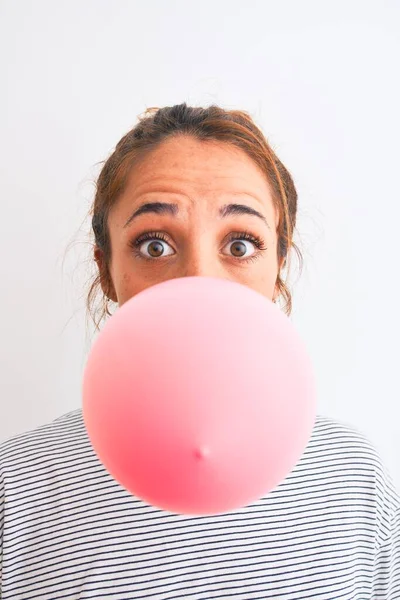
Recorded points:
(198,396)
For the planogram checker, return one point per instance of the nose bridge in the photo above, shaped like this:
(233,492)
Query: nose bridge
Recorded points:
(202,264)
(202,270)
(201,256)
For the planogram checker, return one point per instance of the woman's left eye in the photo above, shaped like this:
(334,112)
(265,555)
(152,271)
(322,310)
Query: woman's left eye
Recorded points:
(240,248)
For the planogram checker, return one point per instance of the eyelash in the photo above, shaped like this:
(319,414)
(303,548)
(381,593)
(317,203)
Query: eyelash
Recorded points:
(249,237)
(149,235)
(234,236)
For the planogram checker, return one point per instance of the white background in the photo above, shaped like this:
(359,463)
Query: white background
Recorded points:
(320,78)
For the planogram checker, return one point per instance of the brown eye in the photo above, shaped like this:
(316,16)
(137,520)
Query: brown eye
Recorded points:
(240,248)
(155,249)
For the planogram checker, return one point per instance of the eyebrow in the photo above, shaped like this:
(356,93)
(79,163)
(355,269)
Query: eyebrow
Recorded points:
(158,208)
(165,208)
(241,209)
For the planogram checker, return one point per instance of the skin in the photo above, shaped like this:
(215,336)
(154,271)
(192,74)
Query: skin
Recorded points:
(201,178)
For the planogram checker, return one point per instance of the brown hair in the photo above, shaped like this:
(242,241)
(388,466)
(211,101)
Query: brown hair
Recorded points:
(212,123)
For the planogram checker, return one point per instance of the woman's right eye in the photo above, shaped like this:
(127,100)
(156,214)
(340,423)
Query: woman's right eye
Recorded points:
(154,248)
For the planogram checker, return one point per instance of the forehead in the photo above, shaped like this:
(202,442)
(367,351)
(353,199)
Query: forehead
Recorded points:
(189,164)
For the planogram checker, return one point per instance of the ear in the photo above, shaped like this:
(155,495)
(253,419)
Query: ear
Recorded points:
(105,278)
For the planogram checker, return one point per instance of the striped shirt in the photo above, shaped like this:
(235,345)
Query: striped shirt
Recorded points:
(331,530)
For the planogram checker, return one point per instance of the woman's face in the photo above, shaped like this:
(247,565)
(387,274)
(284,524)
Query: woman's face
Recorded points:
(193,208)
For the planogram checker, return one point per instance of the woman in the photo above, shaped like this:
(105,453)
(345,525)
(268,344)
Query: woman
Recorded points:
(192,191)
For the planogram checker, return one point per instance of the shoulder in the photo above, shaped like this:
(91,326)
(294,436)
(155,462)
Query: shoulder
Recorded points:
(333,435)
(345,456)
(41,464)
(336,442)
(59,437)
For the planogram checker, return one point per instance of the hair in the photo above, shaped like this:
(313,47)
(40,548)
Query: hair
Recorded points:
(234,127)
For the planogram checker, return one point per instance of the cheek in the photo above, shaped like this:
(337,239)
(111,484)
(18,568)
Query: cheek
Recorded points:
(128,284)
(260,276)
(125,284)
(125,281)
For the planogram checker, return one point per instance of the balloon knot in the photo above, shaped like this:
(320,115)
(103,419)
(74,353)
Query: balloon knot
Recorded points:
(201,453)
